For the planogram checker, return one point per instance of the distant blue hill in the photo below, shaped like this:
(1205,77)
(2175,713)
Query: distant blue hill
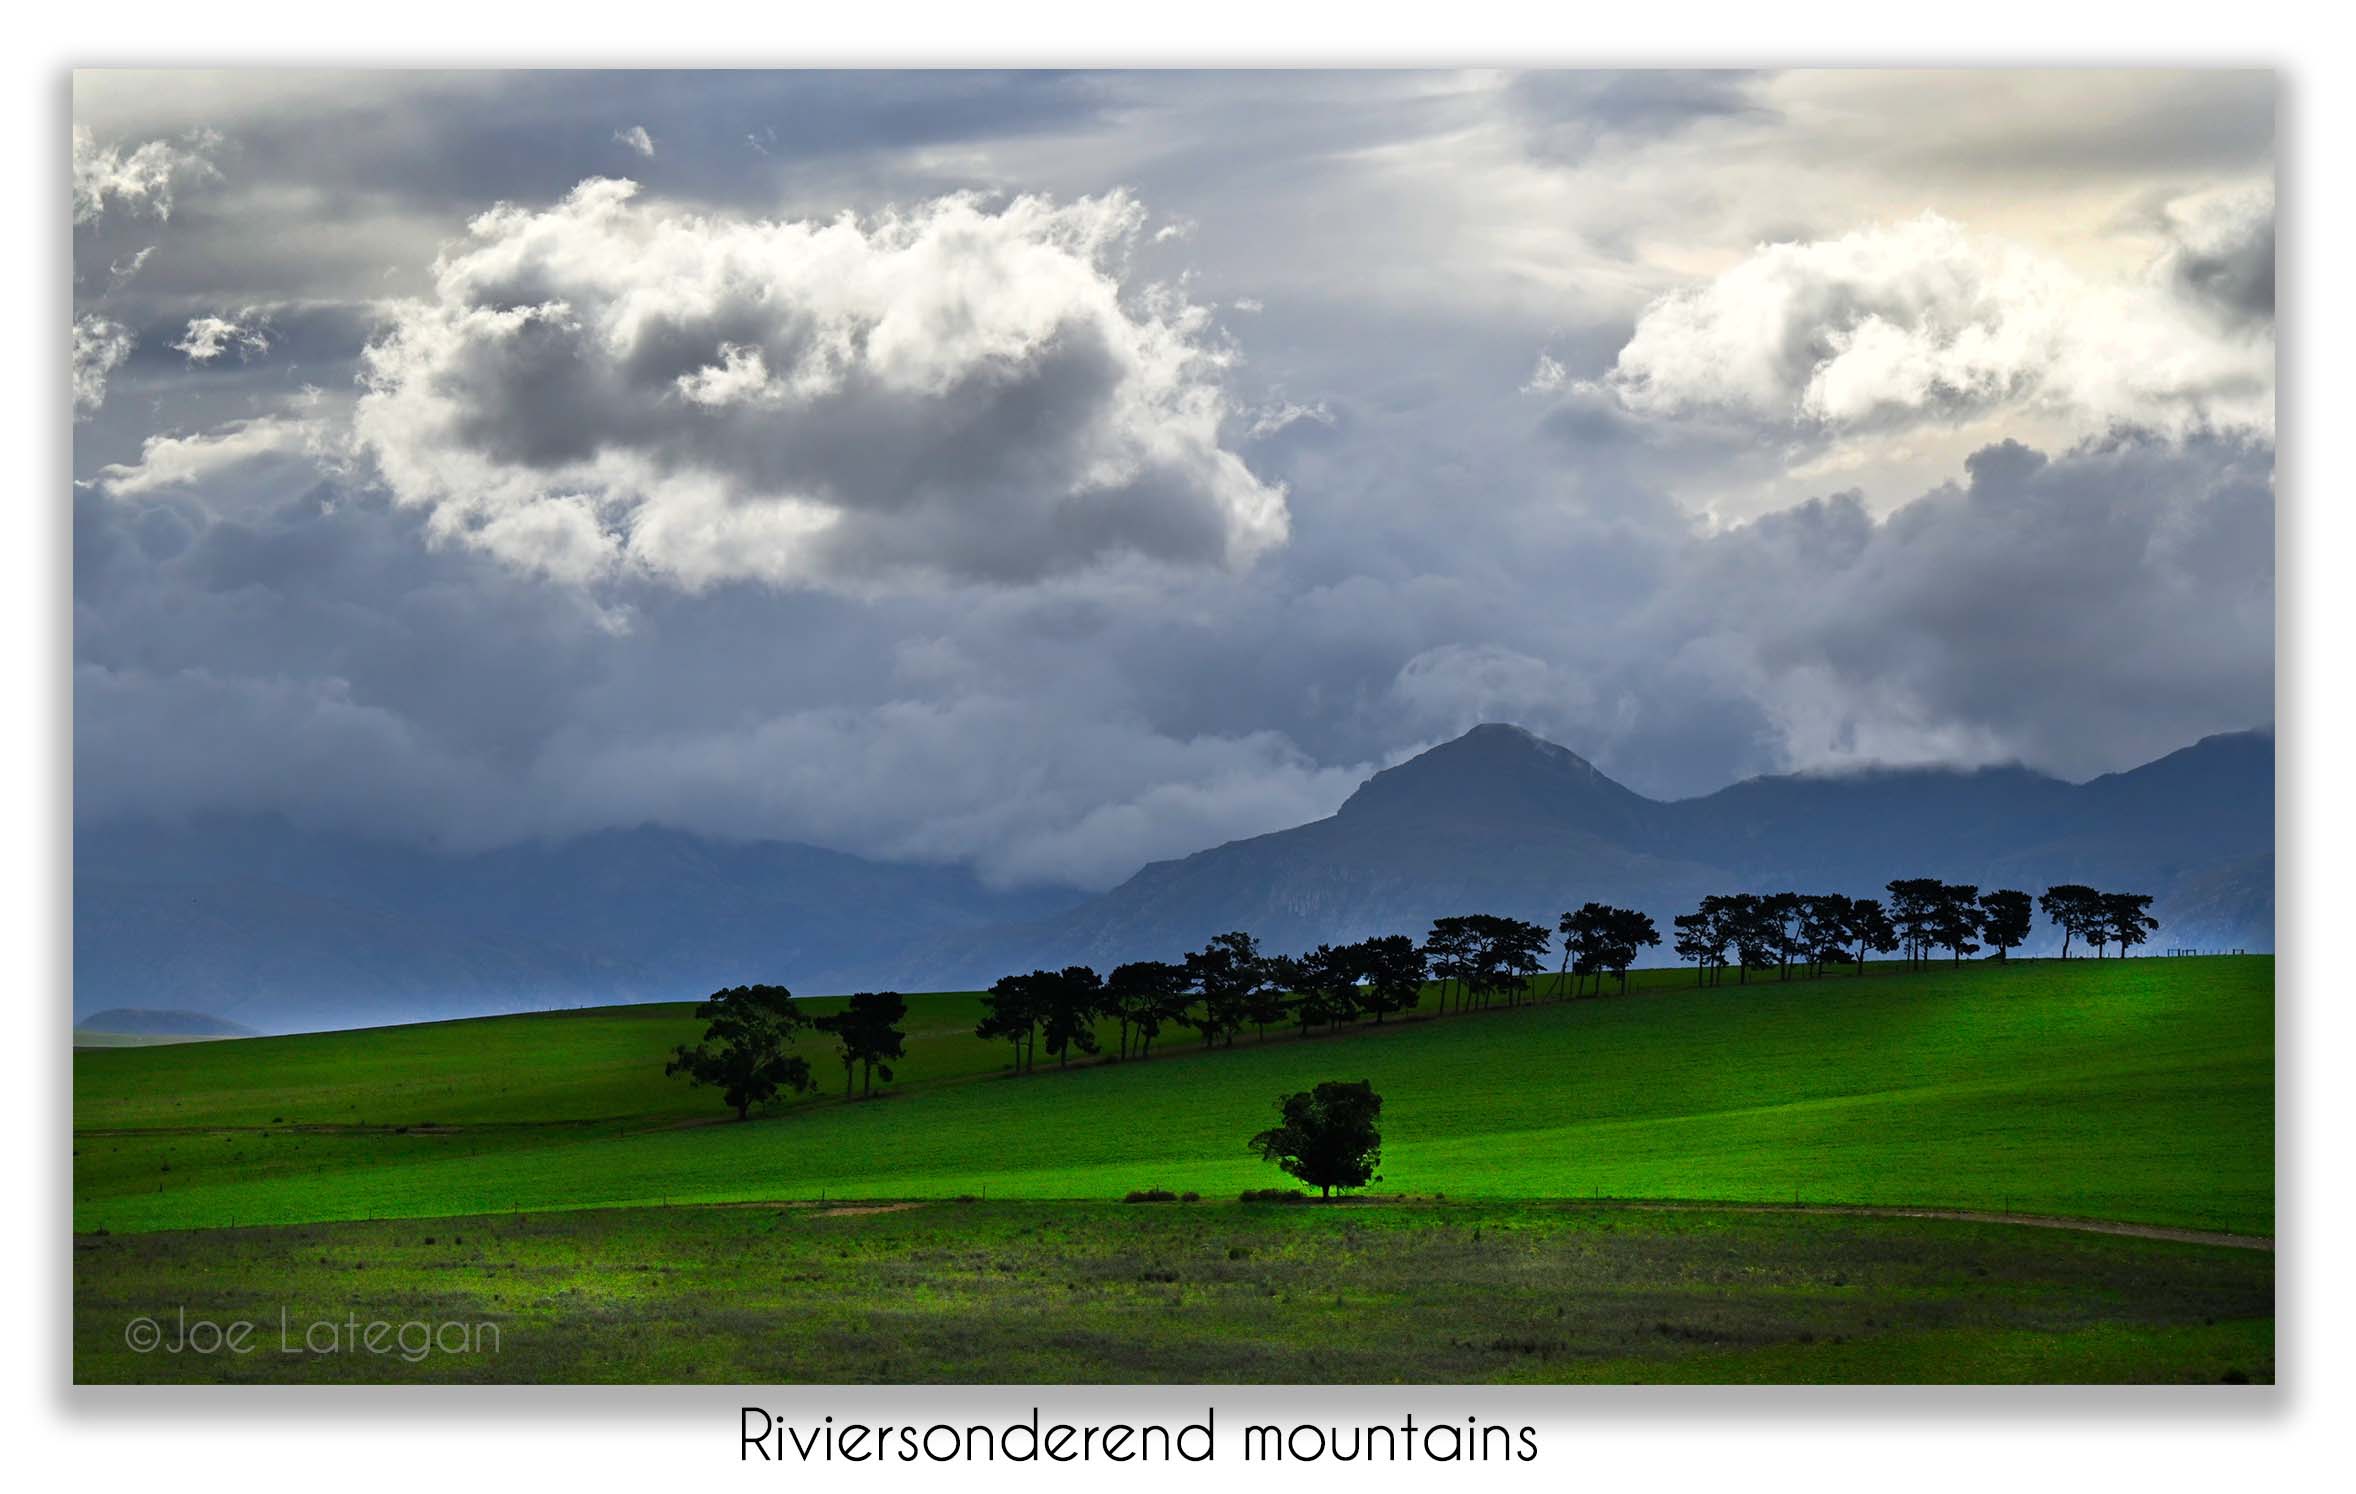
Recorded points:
(285,929)
(1499,820)
(277,928)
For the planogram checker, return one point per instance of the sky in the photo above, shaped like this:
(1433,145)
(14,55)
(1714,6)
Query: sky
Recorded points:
(1049,473)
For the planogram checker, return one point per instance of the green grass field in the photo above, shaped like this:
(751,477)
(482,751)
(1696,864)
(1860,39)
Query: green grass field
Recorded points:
(2139,1090)
(1192,1293)
(2129,1090)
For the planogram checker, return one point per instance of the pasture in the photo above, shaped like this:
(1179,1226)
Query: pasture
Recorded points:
(2137,1090)
(539,1173)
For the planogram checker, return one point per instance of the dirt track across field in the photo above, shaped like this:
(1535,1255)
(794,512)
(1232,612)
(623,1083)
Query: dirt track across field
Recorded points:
(1967,1216)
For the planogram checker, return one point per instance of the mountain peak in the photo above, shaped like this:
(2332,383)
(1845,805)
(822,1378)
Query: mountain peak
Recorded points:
(1497,772)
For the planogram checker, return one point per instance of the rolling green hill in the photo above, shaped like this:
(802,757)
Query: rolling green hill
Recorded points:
(2136,1090)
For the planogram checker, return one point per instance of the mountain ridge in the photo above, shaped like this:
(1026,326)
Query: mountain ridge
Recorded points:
(254,920)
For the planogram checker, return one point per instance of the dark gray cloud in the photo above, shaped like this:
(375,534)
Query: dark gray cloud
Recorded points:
(970,667)
(1572,114)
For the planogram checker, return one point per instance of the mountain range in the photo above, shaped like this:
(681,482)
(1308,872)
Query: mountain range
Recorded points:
(279,928)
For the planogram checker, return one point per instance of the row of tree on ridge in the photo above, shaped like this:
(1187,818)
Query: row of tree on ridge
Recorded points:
(1475,960)
(1480,959)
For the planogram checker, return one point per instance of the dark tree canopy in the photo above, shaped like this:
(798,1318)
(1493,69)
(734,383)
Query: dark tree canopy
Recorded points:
(867,1036)
(1012,1009)
(1327,1137)
(1914,902)
(743,1052)
(1870,928)
(1954,922)
(2074,909)
(1228,976)
(1394,971)
(1599,937)
(2004,920)
(2125,920)
(1502,955)
(1448,951)
(1074,995)
(1324,985)
(1142,996)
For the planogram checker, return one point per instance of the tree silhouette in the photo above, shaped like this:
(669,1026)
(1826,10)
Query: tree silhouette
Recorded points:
(1448,951)
(1627,933)
(1394,971)
(1327,1137)
(2125,919)
(1584,930)
(2004,920)
(1288,974)
(1228,976)
(1074,996)
(1913,903)
(1324,983)
(1954,920)
(1719,915)
(1692,942)
(1012,1009)
(867,1035)
(1783,909)
(743,1052)
(1870,928)
(1824,928)
(1755,931)
(1139,996)
(1505,953)
(2073,907)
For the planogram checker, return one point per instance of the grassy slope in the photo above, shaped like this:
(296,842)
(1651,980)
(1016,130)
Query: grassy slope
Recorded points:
(2137,1090)
(1069,1292)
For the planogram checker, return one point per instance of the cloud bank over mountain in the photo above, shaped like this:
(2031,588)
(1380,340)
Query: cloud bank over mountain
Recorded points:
(1053,473)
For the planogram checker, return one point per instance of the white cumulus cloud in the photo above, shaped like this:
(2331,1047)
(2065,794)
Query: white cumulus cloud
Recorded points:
(1924,322)
(139,180)
(208,337)
(100,346)
(175,461)
(944,390)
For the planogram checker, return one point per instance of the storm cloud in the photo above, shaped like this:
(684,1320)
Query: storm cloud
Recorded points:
(946,391)
(874,470)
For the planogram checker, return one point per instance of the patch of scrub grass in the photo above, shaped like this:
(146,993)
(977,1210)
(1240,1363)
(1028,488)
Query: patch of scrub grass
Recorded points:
(2137,1090)
(1223,1292)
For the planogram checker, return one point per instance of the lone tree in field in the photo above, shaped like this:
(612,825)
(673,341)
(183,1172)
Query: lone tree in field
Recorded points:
(867,1035)
(2074,908)
(1394,971)
(2004,920)
(743,1052)
(1328,1138)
